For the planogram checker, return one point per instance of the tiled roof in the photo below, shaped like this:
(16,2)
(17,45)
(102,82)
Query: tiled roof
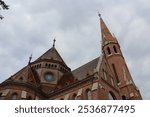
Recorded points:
(51,54)
(86,69)
(24,75)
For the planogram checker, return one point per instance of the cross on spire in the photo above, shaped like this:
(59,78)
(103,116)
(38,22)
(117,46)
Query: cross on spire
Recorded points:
(99,15)
(30,58)
(54,42)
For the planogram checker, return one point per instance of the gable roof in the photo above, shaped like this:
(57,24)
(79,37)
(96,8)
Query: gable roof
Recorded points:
(86,69)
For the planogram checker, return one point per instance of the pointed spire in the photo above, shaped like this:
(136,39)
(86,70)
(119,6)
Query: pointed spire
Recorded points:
(106,34)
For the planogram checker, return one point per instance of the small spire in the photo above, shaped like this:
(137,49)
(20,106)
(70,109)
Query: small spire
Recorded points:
(54,42)
(30,58)
(1,17)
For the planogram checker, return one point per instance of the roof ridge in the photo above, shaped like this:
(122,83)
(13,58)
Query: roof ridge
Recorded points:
(53,54)
(86,69)
(86,63)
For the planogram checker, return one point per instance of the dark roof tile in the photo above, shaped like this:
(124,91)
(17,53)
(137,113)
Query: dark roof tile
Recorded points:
(86,69)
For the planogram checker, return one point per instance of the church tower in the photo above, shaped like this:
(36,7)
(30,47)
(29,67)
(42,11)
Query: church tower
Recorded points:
(111,50)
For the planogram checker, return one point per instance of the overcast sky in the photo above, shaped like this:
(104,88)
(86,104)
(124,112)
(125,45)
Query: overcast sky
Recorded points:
(30,26)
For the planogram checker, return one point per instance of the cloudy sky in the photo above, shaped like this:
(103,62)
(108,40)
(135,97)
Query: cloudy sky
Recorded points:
(30,26)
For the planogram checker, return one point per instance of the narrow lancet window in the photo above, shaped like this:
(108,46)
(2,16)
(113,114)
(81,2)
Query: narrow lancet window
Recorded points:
(115,49)
(108,50)
(14,96)
(88,94)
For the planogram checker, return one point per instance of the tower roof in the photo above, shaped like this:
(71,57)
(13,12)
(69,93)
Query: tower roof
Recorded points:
(106,34)
(51,54)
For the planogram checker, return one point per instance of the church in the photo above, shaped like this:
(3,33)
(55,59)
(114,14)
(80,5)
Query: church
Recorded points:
(106,77)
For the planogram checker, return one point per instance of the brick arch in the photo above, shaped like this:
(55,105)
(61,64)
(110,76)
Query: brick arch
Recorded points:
(108,51)
(115,49)
(14,96)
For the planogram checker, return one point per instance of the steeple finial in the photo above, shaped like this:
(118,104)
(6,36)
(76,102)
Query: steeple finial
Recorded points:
(99,15)
(54,42)
(30,58)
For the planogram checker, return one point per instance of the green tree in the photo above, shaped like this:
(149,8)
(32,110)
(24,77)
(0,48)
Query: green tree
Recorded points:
(3,6)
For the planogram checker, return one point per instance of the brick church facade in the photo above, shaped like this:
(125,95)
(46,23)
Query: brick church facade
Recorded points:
(49,78)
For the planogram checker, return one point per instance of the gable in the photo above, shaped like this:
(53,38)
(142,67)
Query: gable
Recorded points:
(25,75)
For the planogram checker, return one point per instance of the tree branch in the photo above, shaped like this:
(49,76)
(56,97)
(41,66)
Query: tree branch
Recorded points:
(3,6)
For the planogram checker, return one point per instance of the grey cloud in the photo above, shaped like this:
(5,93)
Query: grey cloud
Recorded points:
(30,26)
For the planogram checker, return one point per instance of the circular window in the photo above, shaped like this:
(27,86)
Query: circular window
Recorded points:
(49,77)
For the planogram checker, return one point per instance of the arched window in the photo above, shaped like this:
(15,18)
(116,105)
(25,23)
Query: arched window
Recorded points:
(74,97)
(55,66)
(111,96)
(29,98)
(112,81)
(21,78)
(0,94)
(104,73)
(115,72)
(14,96)
(115,50)
(108,50)
(67,83)
(88,94)
(123,97)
